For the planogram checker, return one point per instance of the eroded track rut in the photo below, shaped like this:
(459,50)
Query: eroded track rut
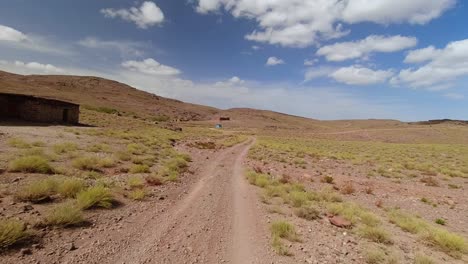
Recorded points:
(217,221)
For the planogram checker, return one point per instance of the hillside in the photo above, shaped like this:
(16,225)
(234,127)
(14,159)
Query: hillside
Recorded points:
(98,92)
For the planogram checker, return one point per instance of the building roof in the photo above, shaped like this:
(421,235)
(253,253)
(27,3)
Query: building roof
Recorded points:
(37,98)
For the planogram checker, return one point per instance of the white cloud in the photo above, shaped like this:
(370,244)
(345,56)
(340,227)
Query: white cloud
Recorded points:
(316,102)
(13,39)
(301,23)
(150,67)
(395,11)
(255,47)
(30,67)
(358,75)
(131,48)
(11,34)
(308,62)
(273,61)
(454,96)
(314,73)
(443,66)
(362,48)
(421,55)
(147,15)
(231,82)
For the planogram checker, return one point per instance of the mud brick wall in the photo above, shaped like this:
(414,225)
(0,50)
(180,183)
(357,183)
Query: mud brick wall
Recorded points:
(35,109)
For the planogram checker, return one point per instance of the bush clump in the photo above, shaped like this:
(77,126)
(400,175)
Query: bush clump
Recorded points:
(67,214)
(97,196)
(31,164)
(11,232)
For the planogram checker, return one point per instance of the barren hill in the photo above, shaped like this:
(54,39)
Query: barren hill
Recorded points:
(94,92)
(99,92)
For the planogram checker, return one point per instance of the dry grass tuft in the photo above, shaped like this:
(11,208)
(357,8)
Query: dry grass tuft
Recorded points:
(97,196)
(31,164)
(11,232)
(67,214)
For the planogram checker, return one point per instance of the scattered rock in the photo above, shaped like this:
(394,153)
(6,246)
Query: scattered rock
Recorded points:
(71,246)
(26,251)
(27,208)
(339,222)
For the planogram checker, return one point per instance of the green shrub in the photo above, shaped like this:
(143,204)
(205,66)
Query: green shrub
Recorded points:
(123,155)
(106,162)
(308,213)
(440,221)
(37,191)
(65,147)
(18,143)
(375,234)
(279,247)
(298,198)
(97,196)
(375,256)
(138,194)
(88,163)
(67,214)
(31,164)
(70,187)
(135,182)
(422,259)
(11,232)
(137,168)
(284,230)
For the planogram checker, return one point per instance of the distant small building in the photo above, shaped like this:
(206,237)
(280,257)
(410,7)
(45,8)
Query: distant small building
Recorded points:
(37,109)
(224,118)
(219,126)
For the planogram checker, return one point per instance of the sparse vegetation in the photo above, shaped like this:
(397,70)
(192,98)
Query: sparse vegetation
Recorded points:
(422,259)
(11,232)
(283,229)
(70,187)
(66,214)
(138,194)
(139,168)
(37,191)
(135,182)
(308,213)
(31,164)
(97,196)
(65,147)
(88,163)
(450,243)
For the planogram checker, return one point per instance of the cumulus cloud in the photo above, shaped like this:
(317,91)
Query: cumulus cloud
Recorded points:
(442,66)
(317,72)
(358,75)
(231,82)
(150,67)
(395,11)
(308,62)
(362,48)
(147,15)
(30,67)
(11,34)
(273,61)
(14,39)
(301,23)
(421,55)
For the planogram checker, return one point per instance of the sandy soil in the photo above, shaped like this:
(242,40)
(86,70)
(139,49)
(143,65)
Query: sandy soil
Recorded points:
(215,221)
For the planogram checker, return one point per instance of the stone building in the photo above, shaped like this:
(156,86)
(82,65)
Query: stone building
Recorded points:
(37,109)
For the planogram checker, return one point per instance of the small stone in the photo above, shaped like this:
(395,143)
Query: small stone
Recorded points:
(26,251)
(340,222)
(71,246)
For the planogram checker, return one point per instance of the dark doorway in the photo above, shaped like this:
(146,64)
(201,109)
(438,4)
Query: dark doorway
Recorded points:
(65,115)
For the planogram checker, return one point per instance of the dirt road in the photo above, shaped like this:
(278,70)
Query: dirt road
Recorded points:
(216,221)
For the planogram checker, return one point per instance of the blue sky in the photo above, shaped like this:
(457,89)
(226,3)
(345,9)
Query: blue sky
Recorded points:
(332,59)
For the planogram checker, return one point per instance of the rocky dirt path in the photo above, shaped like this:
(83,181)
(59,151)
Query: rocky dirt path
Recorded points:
(217,221)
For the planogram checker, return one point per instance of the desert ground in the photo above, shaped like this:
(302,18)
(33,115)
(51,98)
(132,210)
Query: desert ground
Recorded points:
(131,187)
